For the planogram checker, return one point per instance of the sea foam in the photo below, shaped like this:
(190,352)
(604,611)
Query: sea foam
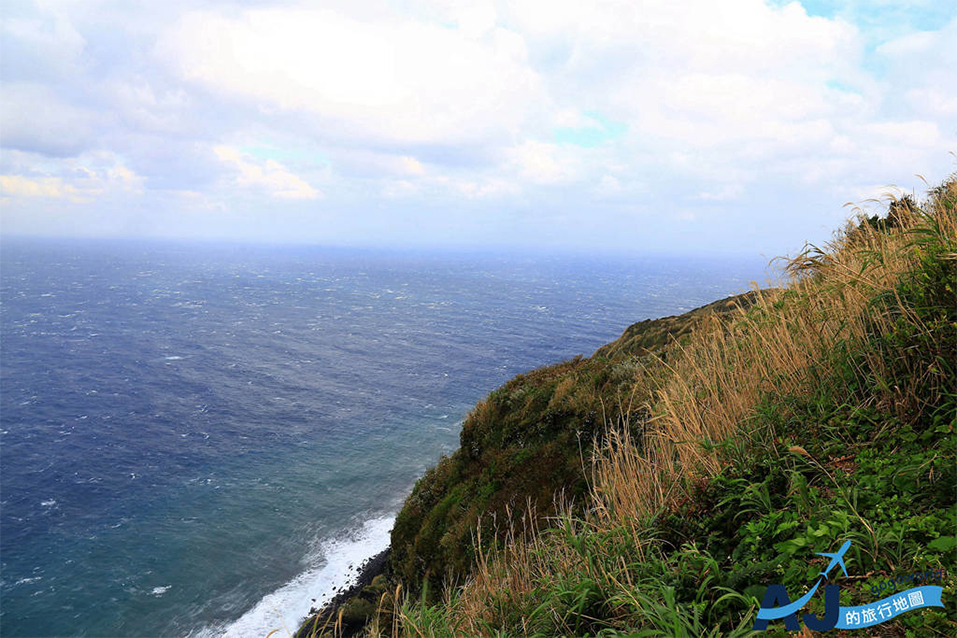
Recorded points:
(338,568)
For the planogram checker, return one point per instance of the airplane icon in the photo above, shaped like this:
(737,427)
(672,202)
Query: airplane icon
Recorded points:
(837,558)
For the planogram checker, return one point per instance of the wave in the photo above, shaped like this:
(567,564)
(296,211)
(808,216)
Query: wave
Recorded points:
(285,608)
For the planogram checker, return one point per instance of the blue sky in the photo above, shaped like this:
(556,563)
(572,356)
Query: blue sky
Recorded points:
(738,126)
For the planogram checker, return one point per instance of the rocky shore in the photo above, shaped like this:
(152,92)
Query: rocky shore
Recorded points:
(356,602)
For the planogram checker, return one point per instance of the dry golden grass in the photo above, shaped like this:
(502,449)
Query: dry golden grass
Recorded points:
(705,393)
(714,383)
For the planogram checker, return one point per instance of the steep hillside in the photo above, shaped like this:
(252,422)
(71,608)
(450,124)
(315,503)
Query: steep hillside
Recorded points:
(525,442)
(528,440)
(651,336)
(770,429)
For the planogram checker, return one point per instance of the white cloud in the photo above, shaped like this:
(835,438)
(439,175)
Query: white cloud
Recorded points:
(149,109)
(21,186)
(609,185)
(399,83)
(725,193)
(77,180)
(375,164)
(697,34)
(270,175)
(35,118)
(914,133)
(401,188)
(921,70)
(410,165)
(541,163)
(482,188)
(51,41)
(613,107)
(919,43)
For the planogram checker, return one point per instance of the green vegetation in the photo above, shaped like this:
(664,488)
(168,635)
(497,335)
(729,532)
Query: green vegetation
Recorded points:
(706,456)
(654,336)
(526,441)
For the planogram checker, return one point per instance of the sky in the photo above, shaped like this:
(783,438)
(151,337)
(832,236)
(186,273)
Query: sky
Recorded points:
(682,126)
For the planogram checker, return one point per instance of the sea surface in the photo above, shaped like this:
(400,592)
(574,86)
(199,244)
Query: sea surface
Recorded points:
(203,439)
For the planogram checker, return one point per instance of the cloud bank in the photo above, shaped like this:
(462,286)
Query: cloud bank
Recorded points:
(737,126)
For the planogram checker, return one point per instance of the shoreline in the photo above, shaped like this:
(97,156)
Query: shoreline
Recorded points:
(340,563)
(327,613)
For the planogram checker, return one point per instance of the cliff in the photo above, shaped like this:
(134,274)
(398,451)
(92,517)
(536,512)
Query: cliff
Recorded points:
(660,485)
(528,440)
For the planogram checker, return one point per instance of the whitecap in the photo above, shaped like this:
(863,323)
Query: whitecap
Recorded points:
(159,591)
(173,358)
(290,604)
(27,581)
(50,503)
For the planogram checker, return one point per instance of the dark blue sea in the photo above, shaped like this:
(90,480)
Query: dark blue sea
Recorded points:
(200,439)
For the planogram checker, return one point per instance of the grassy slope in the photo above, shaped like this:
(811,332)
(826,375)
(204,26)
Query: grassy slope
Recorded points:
(652,336)
(523,443)
(526,441)
(820,413)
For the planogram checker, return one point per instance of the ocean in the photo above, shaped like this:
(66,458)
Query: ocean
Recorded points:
(205,439)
